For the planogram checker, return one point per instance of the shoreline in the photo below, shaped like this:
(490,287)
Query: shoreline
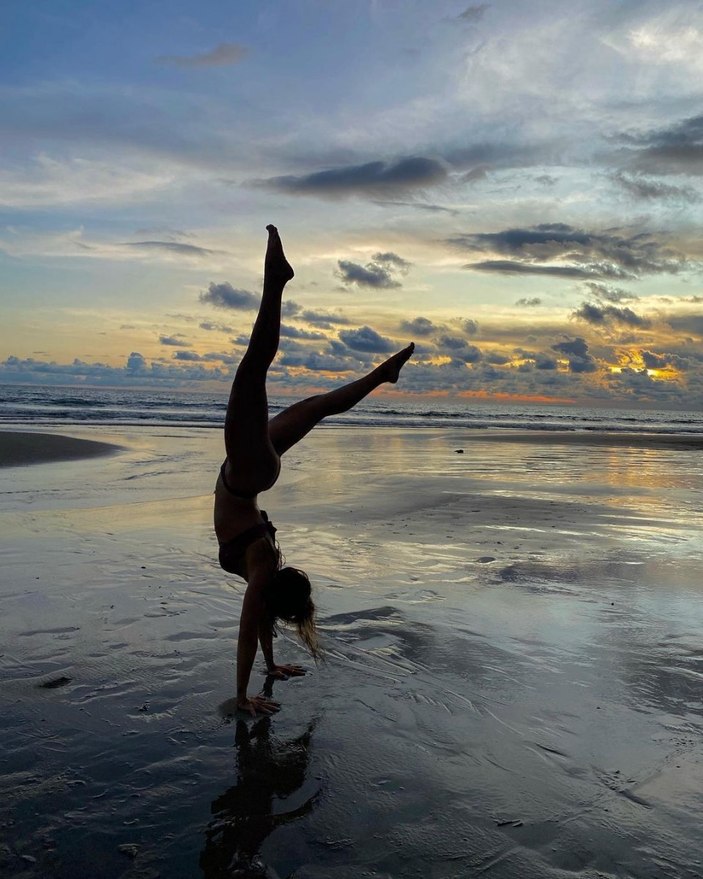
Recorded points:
(21,448)
(24,447)
(640,440)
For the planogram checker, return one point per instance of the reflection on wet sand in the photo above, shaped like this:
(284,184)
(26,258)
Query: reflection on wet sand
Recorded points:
(512,689)
(271,789)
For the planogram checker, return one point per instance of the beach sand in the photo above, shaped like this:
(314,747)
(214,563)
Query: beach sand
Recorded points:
(25,447)
(513,684)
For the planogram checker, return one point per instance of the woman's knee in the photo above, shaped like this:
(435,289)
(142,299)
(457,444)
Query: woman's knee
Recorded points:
(249,379)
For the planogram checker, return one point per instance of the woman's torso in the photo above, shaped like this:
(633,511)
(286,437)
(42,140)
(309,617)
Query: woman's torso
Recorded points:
(245,535)
(233,514)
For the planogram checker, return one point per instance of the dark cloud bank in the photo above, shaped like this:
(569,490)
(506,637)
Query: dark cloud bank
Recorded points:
(560,250)
(673,149)
(371,178)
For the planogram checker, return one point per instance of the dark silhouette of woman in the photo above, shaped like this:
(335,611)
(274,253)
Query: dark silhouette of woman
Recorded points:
(254,446)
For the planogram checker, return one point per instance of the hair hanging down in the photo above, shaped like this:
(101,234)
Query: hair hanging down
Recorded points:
(288,598)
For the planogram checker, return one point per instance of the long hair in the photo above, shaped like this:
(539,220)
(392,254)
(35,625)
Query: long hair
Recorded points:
(288,599)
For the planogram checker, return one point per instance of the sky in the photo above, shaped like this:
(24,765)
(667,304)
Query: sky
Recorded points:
(515,186)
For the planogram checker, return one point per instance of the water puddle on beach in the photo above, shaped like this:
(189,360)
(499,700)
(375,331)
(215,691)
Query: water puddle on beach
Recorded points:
(512,684)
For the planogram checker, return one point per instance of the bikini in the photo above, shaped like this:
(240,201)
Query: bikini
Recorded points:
(233,551)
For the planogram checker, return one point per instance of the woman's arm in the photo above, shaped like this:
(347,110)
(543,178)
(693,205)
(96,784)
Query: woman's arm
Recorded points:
(266,641)
(253,613)
(282,672)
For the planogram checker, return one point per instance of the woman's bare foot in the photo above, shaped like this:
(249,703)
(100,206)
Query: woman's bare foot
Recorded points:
(391,367)
(277,269)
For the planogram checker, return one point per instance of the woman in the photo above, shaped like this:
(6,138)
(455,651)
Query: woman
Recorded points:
(254,446)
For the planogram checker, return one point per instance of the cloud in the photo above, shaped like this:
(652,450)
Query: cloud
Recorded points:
(324,319)
(655,361)
(646,189)
(459,349)
(378,273)
(317,361)
(392,259)
(135,130)
(687,323)
(576,351)
(674,149)
(289,332)
(530,362)
(453,343)
(577,347)
(671,37)
(512,267)
(600,315)
(480,172)
(224,295)
(565,251)
(136,362)
(420,206)
(637,384)
(487,155)
(529,303)
(473,14)
(544,361)
(44,180)
(212,326)
(176,341)
(135,371)
(366,339)
(171,247)
(289,308)
(470,326)
(370,275)
(610,294)
(221,56)
(419,326)
(372,178)
(189,356)
(215,356)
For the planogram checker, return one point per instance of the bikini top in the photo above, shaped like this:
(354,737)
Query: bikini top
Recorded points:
(232,552)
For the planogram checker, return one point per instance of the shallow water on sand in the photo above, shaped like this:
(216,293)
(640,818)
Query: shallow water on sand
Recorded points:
(513,683)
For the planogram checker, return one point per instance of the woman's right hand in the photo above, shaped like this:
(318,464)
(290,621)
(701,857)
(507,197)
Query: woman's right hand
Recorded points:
(254,704)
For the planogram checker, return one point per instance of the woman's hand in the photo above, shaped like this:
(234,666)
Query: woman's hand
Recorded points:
(283,672)
(252,704)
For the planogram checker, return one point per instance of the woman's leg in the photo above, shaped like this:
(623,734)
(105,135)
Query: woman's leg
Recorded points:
(291,425)
(252,461)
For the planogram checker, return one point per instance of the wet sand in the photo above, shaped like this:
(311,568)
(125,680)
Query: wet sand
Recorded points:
(514,674)
(25,447)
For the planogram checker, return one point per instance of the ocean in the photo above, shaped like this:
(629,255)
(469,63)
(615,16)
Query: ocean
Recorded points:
(41,406)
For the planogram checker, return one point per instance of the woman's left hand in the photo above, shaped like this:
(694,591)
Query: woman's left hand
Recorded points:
(283,672)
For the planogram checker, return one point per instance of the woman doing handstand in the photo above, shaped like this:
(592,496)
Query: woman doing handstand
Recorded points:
(254,445)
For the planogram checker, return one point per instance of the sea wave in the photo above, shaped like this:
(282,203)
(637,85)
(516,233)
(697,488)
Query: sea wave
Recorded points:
(60,406)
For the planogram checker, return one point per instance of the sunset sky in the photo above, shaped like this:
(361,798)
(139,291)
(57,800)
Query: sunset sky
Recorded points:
(516,186)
